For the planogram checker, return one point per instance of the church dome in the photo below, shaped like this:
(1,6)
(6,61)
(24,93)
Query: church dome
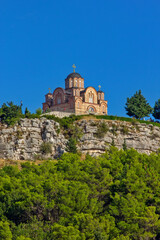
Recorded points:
(74,75)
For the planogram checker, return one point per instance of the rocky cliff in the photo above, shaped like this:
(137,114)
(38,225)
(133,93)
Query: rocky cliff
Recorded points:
(23,141)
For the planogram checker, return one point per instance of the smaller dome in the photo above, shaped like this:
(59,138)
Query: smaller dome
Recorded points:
(74,75)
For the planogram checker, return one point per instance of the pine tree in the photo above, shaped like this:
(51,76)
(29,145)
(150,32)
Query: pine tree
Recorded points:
(156,110)
(137,106)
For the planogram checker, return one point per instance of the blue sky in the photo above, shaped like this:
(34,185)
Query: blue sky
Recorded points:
(113,43)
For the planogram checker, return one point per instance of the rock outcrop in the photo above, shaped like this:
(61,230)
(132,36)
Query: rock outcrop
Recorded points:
(142,137)
(24,140)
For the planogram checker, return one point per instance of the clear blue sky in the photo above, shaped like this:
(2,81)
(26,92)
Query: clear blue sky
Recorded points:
(114,43)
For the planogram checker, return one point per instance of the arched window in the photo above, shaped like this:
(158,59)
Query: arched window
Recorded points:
(80,83)
(59,98)
(90,97)
(91,109)
(71,83)
(75,82)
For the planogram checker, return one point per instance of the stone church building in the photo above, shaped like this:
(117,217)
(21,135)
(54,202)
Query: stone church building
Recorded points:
(75,98)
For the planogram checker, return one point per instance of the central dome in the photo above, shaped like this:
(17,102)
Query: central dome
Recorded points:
(74,75)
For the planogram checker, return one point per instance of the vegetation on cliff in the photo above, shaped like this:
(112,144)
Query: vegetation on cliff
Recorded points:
(114,196)
(11,114)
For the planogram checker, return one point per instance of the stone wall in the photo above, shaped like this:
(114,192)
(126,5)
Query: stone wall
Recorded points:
(23,141)
(59,114)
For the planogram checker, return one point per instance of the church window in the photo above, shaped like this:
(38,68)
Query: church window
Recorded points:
(80,83)
(91,109)
(76,83)
(59,100)
(71,83)
(90,97)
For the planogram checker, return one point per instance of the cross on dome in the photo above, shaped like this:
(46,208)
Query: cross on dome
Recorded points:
(99,87)
(73,67)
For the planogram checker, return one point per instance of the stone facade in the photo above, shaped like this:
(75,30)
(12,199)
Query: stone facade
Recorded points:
(75,99)
(23,141)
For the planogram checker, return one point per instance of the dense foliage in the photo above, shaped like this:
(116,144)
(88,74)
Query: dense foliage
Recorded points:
(116,196)
(10,113)
(137,106)
(156,110)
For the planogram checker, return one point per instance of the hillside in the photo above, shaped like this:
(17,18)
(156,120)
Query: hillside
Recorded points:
(91,135)
(113,197)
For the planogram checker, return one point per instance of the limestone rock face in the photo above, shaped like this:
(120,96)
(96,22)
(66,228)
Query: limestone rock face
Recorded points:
(140,136)
(23,141)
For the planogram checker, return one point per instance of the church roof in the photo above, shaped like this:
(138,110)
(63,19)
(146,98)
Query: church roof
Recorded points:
(73,75)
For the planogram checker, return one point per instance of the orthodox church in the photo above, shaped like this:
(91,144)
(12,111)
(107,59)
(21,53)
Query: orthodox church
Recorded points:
(75,98)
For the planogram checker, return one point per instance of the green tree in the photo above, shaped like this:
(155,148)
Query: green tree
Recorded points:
(39,111)
(137,106)
(23,238)
(113,196)
(10,113)
(156,110)
(64,233)
(27,113)
(5,232)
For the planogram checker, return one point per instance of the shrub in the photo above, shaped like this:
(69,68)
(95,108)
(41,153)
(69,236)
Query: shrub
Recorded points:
(19,134)
(46,148)
(124,129)
(75,132)
(124,145)
(102,129)
(71,145)
(114,129)
(39,111)
(94,124)
(134,121)
(113,143)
